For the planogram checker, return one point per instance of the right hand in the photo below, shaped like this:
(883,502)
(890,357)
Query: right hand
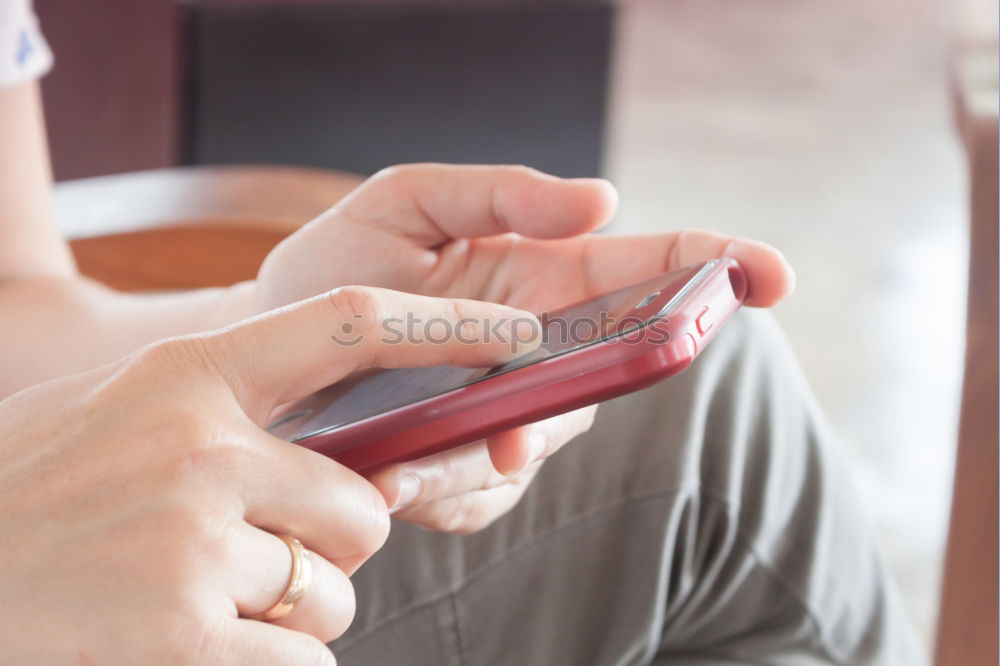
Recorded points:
(139,502)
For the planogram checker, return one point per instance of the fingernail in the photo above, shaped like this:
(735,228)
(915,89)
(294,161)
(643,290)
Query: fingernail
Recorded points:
(537,445)
(409,488)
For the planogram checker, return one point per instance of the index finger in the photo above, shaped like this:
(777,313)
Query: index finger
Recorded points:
(613,262)
(297,350)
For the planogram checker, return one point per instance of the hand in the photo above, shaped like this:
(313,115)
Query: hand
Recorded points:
(139,502)
(464,490)
(504,234)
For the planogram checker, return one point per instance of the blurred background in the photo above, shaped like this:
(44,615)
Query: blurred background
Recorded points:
(824,128)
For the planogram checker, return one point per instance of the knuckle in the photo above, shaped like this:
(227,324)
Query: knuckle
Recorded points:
(184,354)
(313,652)
(396,172)
(202,447)
(193,535)
(464,517)
(374,520)
(580,422)
(158,352)
(452,522)
(367,523)
(352,508)
(362,307)
(317,654)
(393,182)
(160,358)
(222,460)
(520,170)
(388,173)
(453,321)
(342,608)
(191,361)
(363,311)
(468,320)
(467,330)
(191,430)
(190,638)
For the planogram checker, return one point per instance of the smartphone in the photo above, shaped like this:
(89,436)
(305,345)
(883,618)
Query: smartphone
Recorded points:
(614,344)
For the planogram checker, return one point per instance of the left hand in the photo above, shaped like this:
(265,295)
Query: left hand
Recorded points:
(504,234)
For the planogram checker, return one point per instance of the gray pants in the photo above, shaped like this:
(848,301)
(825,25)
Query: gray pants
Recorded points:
(707,520)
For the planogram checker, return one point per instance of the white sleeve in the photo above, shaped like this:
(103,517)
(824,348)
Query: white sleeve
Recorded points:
(24,55)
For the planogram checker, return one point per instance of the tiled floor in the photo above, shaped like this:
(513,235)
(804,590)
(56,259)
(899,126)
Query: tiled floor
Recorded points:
(823,128)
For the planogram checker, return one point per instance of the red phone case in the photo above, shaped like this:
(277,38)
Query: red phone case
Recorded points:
(628,362)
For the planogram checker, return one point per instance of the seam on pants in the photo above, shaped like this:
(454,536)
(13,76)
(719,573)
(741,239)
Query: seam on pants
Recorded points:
(459,638)
(580,520)
(789,589)
(772,572)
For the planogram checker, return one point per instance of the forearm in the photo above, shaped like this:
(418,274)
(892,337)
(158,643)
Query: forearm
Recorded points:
(30,244)
(55,326)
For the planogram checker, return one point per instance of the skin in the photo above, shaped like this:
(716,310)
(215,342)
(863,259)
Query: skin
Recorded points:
(160,455)
(135,535)
(493,233)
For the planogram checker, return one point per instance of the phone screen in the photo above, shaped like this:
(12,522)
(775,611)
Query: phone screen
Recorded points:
(590,322)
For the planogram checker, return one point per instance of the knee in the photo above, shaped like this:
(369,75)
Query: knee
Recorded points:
(750,368)
(751,336)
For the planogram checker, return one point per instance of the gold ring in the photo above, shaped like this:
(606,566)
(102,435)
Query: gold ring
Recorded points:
(298,581)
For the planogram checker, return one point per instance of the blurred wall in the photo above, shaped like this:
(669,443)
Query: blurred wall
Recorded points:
(111,99)
(347,84)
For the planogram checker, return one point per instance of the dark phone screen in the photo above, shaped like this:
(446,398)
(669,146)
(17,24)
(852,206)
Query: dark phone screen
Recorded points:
(374,392)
